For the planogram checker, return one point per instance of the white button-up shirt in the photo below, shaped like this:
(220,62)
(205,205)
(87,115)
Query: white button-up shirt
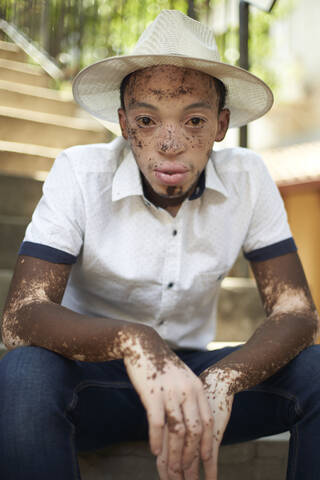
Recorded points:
(134,261)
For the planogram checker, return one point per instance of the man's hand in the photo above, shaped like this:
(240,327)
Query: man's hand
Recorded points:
(218,385)
(180,419)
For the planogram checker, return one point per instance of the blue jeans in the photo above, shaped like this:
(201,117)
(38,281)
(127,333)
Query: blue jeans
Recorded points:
(51,408)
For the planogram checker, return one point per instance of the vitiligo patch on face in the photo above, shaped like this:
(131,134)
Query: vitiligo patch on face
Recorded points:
(170,119)
(176,77)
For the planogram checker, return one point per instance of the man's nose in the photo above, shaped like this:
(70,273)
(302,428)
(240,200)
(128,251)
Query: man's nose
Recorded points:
(170,141)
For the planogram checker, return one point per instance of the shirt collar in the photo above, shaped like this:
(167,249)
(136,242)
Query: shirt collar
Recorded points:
(213,180)
(209,179)
(127,179)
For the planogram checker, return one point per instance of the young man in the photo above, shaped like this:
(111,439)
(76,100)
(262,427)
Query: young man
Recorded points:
(110,308)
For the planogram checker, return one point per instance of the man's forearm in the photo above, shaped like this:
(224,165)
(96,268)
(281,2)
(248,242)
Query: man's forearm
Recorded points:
(273,345)
(75,336)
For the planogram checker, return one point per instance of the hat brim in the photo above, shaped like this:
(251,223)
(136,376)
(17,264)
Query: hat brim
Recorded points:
(96,87)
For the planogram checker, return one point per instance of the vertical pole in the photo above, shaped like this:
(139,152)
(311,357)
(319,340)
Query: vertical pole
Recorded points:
(191,10)
(244,55)
(45,27)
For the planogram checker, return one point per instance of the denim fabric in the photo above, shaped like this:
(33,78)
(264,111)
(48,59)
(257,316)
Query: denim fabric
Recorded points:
(51,407)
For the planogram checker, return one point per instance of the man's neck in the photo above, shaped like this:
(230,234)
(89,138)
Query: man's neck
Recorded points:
(173,210)
(170,204)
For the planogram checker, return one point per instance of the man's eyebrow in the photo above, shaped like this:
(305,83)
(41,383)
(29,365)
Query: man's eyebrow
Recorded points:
(142,105)
(199,105)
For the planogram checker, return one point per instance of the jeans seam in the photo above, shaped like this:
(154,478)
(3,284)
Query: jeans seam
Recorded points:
(75,461)
(85,384)
(295,453)
(281,393)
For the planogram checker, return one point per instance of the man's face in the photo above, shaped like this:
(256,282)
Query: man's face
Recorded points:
(171,121)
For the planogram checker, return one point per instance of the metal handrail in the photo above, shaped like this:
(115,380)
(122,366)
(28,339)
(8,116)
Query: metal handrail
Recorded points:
(38,55)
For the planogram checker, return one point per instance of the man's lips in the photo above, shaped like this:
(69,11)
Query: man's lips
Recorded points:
(171,169)
(171,175)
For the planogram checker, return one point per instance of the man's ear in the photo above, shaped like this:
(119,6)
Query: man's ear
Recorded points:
(223,124)
(123,122)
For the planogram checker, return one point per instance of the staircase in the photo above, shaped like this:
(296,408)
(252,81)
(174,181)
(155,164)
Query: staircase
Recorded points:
(36,123)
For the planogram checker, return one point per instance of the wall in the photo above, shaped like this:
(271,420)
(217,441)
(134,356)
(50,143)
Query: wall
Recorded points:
(303,208)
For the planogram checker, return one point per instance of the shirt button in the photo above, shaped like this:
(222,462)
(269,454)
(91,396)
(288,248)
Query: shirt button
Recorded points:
(174,233)
(161,322)
(170,285)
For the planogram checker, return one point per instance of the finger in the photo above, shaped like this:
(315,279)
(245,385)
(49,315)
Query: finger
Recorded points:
(192,439)
(156,420)
(207,420)
(211,466)
(177,430)
(162,461)
(192,472)
(162,458)
(220,422)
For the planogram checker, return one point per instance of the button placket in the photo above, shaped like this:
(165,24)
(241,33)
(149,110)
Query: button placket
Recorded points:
(170,273)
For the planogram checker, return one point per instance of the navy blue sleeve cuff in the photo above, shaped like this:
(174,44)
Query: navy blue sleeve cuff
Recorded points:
(272,251)
(44,252)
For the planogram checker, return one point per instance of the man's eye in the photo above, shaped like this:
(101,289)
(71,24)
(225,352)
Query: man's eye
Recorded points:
(145,122)
(195,121)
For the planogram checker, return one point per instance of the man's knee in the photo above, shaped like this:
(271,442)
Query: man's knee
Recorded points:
(307,362)
(32,375)
(304,370)
(35,394)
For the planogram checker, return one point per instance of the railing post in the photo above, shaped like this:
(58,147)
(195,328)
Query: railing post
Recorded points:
(244,55)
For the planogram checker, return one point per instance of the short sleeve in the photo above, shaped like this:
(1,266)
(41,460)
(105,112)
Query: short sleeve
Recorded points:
(56,230)
(269,234)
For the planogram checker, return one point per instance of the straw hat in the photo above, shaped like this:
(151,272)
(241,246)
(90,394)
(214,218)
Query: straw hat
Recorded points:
(172,39)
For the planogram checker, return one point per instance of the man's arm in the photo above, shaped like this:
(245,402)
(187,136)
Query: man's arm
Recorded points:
(33,316)
(291,325)
(292,322)
(171,393)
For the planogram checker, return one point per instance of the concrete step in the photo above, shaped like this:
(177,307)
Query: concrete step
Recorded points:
(12,232)
(10,51)
(240,309)
(56,131)
(19,195)
(40,99)
(21,72)
(26,159)
(5,279)
(263,459)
